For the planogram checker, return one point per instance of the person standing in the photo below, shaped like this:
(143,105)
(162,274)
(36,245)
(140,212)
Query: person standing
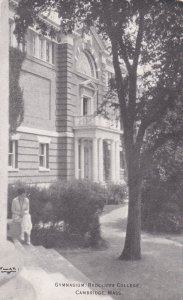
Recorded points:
(21,216)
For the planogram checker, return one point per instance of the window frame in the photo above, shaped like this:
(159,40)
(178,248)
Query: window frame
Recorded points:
(34,45)
(13,166)
(86,102)
(48,51)
(85,106)
(46,142)
(44,156)
(41,48)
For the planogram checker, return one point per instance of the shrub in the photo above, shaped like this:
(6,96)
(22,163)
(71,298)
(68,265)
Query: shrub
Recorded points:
(77,203)
(116,193)
(161,207)
(162,201)
(39,199)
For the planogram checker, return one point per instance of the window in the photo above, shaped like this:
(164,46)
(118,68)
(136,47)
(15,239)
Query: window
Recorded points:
(86,65)
(41,48)
(53,53)
(44,156)
(47,51)
(85,106)
(13,154)
(34,45)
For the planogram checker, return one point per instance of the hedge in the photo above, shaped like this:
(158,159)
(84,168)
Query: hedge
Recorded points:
(76,203)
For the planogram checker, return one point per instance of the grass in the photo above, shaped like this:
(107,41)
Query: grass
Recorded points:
(158,274)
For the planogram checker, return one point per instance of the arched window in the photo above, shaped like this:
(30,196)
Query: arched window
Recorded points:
(86,65)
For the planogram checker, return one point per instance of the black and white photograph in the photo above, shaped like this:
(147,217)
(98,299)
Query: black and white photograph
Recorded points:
(91,149)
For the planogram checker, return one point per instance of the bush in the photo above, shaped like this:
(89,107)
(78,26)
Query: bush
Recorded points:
(115,193)
(161,207)
(162,200)
(46,236)
(77,203)
(39,199)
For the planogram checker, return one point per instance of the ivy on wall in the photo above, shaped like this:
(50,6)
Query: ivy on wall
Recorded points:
(16,104)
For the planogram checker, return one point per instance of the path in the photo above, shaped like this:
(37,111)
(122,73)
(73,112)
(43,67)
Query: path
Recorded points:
(159,274)
(88,273)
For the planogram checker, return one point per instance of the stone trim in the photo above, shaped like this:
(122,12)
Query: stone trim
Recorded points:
(44,139)
(36,131)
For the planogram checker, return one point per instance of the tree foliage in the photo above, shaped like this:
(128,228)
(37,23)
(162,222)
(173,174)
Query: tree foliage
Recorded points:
(146,39)
(162,189)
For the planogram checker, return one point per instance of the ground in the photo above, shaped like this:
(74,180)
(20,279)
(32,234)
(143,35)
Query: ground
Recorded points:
(158,275)
(86,273)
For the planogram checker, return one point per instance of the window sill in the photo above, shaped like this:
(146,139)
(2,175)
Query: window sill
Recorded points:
(42,169)
(44,61)
(11,169)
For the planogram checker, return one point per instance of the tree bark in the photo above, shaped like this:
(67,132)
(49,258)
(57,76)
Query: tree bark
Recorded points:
(132,247)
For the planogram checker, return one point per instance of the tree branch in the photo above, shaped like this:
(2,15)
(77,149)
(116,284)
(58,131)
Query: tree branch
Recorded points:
(150,118)
(125,56)
(133,71)
(147,155)
(139,39)
(119,82)
(116,63)
(140,137)
(162,101)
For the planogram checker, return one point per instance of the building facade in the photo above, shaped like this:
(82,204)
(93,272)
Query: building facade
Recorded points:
(62,136)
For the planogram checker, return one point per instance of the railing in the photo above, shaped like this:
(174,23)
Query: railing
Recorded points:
(96,121)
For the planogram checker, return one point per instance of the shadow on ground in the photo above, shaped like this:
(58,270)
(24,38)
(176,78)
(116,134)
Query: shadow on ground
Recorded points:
(158,274)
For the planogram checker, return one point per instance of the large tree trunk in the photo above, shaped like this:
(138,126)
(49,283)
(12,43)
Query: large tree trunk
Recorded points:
(132,248)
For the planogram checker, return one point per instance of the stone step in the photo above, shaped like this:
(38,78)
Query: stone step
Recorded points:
(52,253)
(16,289)
(49,252)
(45,269)
(51,261)
(41,281)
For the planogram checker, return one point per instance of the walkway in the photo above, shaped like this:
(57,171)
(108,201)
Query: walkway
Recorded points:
(87,274)
(159,275)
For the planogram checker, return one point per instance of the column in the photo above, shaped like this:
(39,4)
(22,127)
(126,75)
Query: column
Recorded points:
(82,159)
(101,161)
(117,161)
(76,158)
(113,161)
(95,159)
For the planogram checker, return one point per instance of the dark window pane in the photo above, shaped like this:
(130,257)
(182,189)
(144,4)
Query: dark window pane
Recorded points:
(47,51)
(10,147)
(10,164)
(85,106)
(16,154)
(41,161)
(41,149)
(53,53)
(47,156)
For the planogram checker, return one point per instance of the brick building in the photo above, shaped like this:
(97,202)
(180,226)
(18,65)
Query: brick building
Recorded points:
(62,136)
